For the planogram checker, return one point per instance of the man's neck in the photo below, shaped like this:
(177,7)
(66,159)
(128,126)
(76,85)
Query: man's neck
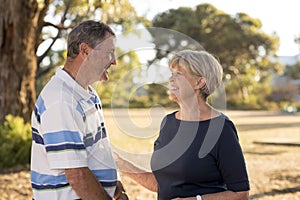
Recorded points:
(72,69)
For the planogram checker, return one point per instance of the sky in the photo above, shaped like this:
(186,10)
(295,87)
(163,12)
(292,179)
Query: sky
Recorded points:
(280,16)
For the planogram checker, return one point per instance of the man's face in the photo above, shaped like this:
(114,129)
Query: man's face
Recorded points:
(97,60)
(106,52)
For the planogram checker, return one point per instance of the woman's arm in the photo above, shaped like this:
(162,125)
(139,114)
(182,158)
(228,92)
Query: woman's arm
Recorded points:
(144,178)
(227,195)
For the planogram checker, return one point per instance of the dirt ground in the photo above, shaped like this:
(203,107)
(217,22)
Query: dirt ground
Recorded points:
(271,145)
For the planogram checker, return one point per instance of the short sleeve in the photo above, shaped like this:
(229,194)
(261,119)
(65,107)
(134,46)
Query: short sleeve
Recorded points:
(61,127)
(230,160)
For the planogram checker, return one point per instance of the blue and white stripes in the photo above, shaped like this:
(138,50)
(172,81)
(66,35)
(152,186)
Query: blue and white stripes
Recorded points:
(63,141)
(68,131)
(39,108)
(45,181)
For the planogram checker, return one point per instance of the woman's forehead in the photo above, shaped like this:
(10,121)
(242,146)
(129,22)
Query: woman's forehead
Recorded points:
(178,67)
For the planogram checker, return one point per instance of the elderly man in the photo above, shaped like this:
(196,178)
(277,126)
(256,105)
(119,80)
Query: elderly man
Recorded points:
(71,154)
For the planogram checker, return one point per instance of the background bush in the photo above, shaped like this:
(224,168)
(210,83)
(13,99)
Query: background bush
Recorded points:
(15,142)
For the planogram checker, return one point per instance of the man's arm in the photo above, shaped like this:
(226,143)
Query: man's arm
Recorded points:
(120,193)
(85,184)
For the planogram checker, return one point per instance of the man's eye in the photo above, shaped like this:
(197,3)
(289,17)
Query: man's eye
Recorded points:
(110,54)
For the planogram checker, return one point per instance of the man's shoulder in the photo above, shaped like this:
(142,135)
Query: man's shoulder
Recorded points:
(56,92)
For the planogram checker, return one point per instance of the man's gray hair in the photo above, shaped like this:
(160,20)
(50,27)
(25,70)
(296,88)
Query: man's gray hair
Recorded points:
(90,32)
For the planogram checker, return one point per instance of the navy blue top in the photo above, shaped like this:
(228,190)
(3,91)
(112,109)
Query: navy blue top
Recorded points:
(196,158)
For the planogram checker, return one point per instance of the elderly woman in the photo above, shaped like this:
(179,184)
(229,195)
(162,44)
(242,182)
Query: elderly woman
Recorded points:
(197,154)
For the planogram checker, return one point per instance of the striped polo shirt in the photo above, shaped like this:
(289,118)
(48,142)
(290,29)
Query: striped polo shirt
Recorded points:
(68,131)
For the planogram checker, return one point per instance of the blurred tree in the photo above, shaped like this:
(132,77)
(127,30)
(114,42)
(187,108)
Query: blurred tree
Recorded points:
(297,40)
(20,28)
(293,71)
(284,90)
(116,93)
(27,26)
(238,42)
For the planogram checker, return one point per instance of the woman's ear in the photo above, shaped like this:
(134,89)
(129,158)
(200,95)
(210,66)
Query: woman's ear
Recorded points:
(200,83)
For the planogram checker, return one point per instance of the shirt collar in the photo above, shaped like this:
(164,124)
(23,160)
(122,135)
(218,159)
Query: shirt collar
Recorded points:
(72,84)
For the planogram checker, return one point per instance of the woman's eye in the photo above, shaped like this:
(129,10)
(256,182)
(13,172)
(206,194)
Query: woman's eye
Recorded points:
(176,73)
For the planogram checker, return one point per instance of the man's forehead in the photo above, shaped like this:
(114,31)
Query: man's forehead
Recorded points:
(108,42)
(110,38)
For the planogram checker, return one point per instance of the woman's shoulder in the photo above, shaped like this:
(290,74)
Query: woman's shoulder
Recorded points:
(170,115)
(169,119)
(226,119)
(229,129)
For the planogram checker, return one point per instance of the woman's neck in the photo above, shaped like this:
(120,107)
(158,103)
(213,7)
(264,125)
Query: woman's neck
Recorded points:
(196,110)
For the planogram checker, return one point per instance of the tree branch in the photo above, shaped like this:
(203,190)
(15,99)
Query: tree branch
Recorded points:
(59,27)
(40,23)
(43,72)
(40,58)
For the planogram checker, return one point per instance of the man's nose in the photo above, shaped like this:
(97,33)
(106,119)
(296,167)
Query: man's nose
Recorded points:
(113,61)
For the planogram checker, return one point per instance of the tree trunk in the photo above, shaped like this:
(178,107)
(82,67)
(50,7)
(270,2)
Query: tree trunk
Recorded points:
(18,24)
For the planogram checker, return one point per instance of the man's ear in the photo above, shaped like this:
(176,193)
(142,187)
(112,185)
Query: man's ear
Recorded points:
(200,83)
(84,49)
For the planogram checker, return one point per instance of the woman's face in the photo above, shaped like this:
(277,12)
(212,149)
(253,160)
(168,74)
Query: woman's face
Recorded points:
(182,85)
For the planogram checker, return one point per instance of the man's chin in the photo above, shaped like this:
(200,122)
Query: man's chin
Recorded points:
(104,78)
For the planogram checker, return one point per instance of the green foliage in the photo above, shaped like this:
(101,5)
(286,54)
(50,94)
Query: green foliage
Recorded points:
(41,82)
(117,91)
(151,95)
(239,43)
(15,137)
(284,90)
(126,88)
(293,71)
(290,107)
(64,15)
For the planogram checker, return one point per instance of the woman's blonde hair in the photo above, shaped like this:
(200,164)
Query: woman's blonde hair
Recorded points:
(200,64)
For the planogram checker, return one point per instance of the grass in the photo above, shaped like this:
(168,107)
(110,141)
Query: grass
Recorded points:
(274,170)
